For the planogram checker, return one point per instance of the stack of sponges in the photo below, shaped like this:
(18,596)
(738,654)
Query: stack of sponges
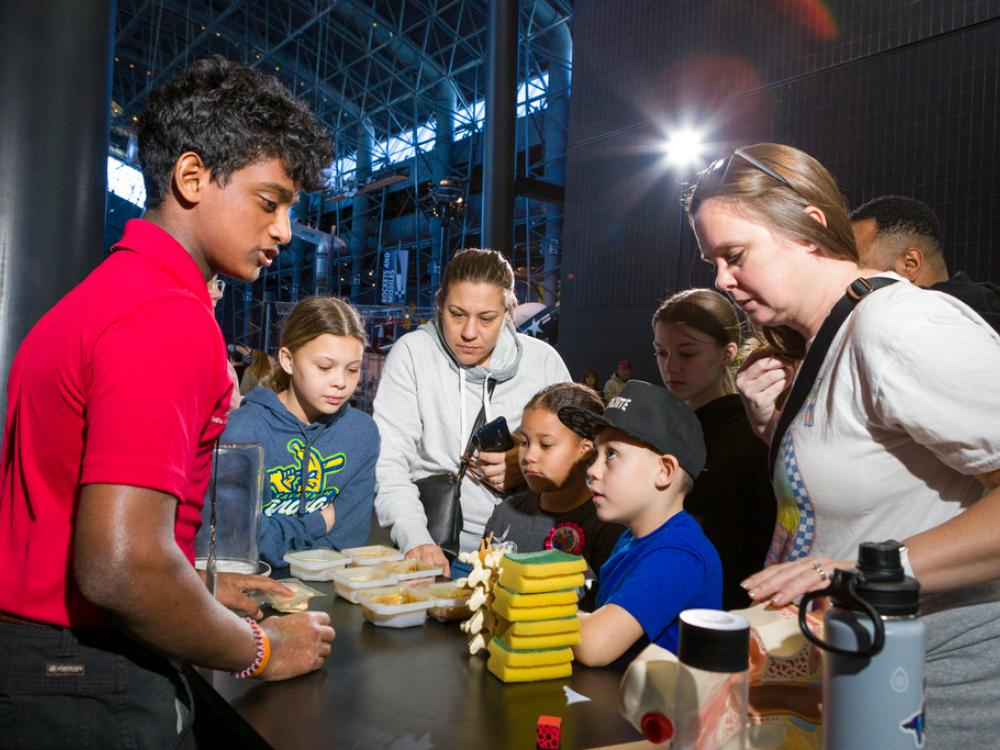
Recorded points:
(535,600)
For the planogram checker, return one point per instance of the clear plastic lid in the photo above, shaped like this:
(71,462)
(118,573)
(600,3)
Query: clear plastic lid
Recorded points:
(317,559)
(394,600)
(446,594)
(373,554)
(364,577)
(298,601)
(406,570)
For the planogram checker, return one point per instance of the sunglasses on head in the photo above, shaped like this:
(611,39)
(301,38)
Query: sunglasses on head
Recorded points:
(715,174)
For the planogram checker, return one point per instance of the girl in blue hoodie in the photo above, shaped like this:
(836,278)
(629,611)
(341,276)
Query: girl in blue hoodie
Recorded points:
(319,452)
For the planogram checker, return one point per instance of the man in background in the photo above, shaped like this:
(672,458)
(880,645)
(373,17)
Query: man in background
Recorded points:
(894,233)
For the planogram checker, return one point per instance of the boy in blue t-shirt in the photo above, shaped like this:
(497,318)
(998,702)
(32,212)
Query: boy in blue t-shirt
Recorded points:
(648,450)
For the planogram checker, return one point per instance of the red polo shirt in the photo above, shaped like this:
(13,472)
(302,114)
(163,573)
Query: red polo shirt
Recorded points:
(122,382)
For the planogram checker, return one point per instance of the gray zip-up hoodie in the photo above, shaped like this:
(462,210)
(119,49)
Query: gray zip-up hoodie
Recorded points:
(425,408)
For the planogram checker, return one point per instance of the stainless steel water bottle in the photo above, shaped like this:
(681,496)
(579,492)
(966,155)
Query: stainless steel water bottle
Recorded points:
(874,648)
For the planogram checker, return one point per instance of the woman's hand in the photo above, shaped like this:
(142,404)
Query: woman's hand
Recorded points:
(432,555)
(502,470)
(760,380)
(781,584)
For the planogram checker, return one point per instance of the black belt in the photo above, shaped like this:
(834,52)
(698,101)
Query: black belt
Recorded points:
(4,617)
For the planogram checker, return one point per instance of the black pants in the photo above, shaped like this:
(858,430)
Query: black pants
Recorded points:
(62,688)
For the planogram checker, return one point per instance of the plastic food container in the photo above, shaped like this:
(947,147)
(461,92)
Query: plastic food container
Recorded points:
(315,564)
(373,554)
(414,572)
(451,602)
(349,582)
(395,606)
(298,601)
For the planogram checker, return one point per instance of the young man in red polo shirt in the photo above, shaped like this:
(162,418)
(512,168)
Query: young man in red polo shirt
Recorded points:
(104,471)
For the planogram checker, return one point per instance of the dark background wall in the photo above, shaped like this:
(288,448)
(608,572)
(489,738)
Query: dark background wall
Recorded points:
(894,96)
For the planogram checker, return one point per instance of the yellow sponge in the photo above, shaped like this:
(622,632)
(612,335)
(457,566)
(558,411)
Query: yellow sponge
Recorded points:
(515,599)
(528,658)
(550,562)
(517,614)
(522,585)
(543,627)
(529,674)
(534,642)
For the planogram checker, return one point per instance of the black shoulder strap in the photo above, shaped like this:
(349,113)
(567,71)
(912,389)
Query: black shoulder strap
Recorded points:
(857,291)
(481,417)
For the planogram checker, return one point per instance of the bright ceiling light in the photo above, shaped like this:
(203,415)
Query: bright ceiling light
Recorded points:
(683,147)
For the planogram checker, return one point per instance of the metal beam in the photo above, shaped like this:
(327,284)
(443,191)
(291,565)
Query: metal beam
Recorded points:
(258,43)
(162,75)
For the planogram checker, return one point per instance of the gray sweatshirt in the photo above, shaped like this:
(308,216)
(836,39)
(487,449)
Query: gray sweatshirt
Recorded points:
(425,408)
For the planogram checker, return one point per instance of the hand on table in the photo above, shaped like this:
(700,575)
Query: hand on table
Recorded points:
(779,585)
(432,555)
(760,380)
(299,644)
(233,590)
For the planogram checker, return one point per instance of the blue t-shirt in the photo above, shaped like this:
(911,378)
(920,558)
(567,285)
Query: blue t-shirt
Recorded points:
(656,577)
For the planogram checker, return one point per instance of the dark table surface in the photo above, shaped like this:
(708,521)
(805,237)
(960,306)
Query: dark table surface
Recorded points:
(418,688)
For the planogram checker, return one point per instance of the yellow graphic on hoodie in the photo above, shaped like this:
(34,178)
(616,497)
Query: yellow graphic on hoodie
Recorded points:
(285,482)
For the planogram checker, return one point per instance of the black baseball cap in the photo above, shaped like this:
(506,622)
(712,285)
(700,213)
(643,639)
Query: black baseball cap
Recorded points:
(649,414)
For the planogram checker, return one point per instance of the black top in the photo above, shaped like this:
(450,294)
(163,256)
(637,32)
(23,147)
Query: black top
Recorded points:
(982,297)
(732,498)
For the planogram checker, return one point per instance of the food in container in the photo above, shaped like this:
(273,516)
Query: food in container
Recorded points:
(373,554)
(451,601)
(395,606)
(349,582)
(297,602)
(315,564)
(414,571)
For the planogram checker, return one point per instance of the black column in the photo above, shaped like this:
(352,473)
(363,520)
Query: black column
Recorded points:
(55,104)
(501,109)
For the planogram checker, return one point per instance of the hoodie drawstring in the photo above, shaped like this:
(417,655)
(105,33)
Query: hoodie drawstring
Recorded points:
(462,437)
(486,401)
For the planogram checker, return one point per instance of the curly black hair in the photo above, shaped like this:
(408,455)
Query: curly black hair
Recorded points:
(897,214)
(231,116)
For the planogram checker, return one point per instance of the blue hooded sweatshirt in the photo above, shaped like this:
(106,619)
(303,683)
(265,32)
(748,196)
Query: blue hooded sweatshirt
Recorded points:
(342,449)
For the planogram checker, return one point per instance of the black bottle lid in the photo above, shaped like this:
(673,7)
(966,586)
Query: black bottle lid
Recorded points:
(883,583)
(714,641)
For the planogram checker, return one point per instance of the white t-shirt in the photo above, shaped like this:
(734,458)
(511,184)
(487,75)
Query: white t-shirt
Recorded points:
(905,412)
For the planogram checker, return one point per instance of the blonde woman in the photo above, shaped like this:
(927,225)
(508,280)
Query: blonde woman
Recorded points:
(898,435)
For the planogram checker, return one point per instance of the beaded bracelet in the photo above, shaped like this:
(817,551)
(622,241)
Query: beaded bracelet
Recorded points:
(262,656)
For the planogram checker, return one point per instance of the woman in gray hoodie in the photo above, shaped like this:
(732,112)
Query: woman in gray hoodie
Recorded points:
(433,386)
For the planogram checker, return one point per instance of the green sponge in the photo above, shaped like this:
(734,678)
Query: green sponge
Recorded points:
(515,599)
(517,614)
(535,642)
(541,572)
(545,627)
(522,585)
(550,562)
(528,658)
